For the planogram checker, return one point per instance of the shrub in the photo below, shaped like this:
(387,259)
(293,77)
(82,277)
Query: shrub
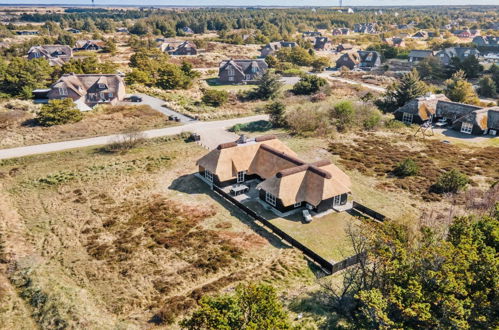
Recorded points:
(408,167)
(343,114)
(125,142)
(452,181)
(277,113)
(308,85)
(58,112)
(215,98)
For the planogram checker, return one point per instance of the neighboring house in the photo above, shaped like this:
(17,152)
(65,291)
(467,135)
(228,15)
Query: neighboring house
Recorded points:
(273,47)
(479,122)
(179,48)
(420,35)
(89,45)
(55,54)
(365,28)
(349,60)
(122,30)
(27,32)
(419,110)
(394,42)
(241,71)
(451,111)
(285,183)
(340,32)
(322,43)
(447,54)
(312,34)
(74,31)
(343,47)
(369,59)
(490,42)
(419,55)
(345,31)
(466,33)
(88,90)
(433,35)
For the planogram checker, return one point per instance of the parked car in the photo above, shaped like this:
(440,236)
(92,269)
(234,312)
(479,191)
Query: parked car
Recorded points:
(134,98)
(306,216)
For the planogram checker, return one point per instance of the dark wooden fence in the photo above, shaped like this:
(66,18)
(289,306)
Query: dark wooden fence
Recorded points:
(364,209)
(326,265)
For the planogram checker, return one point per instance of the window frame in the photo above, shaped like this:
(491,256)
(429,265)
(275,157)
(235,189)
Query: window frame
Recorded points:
(405,117)
(231,78)
(241,176)
(296,205)
(270,199)
(63,91)
(466,127)
(208,175)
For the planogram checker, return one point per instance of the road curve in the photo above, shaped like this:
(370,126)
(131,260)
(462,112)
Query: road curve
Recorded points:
(205,129)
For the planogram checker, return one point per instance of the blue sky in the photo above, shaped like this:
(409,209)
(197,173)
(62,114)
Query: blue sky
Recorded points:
(259,2)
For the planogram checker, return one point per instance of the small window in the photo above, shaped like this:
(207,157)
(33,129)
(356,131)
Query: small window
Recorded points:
(102,86)
(231,71)
(407,118)
(248,77)
(254,69)
(241,176)
(63,91)
(466,128)
(208,175)
(231,78)
(337,200)
(271,199)
(297,205)
(110,95)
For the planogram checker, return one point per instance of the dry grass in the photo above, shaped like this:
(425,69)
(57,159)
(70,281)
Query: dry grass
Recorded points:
(116,240)
(19,129)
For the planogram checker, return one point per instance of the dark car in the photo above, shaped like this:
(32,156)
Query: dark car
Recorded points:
(134,98)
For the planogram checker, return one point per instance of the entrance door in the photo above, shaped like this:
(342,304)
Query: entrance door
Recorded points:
(240,176)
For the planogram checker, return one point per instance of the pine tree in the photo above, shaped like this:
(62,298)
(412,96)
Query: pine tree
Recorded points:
(409,87)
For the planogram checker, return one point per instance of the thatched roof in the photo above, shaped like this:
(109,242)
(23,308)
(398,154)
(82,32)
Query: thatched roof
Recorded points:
(286,176)
(424,106)
(483,118)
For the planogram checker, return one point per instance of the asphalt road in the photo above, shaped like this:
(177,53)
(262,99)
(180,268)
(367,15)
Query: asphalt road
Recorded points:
(212,133)
(157,104)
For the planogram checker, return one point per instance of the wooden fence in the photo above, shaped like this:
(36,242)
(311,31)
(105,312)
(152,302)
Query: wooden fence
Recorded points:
(364,209)
(326,265)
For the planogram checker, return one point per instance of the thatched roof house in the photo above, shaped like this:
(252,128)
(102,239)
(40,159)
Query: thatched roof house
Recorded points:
(286,181)
(419,110)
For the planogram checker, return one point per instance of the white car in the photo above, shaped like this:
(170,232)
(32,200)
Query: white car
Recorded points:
(306,216)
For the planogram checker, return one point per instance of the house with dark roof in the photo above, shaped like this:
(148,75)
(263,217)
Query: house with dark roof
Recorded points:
(241,71)
(419,55)
(273,47)
(479,122)
(88,90)
(488,42)
(348,60)
(55,54)
(369,59)
(74,31)
(420,35)
(322,43)
(178,48)
(369,28)
(82,45)
(343,47)
(312,34)
(283,181)
(394,42)
(419,110)
(446,55)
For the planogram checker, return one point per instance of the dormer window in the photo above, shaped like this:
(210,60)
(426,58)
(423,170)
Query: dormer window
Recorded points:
(63,91)
(231,71)
(102,86)
(254,69)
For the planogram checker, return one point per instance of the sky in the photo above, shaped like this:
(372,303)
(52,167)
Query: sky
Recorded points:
(256,2)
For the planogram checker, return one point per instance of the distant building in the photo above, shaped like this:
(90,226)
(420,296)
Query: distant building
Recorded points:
(55,54)
(308,34)
(187,30)
(489,42)
(27,32)
(241,71)
(273,47)
(368,28)
(394,42)
(179,48)
(122,30)
(322,43)
(369,59)
(343,47)
(419,55)
(348,60)
(81,45)
(88,90)
(420,35)
(448,54)
(74,31)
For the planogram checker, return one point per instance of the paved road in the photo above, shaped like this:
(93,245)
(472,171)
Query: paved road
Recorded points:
(157,104)
(212,133)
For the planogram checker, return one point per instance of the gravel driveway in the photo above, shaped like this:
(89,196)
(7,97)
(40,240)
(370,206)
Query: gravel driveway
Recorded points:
(157,104)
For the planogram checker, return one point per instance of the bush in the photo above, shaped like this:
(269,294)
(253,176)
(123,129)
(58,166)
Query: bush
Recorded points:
(343,114)
(58,112)
(277,113)
(452,181)
(125,142)
(408,167)
(308,85)
(215,98)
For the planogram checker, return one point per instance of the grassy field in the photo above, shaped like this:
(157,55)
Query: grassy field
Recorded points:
(18,128)
(102,240)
